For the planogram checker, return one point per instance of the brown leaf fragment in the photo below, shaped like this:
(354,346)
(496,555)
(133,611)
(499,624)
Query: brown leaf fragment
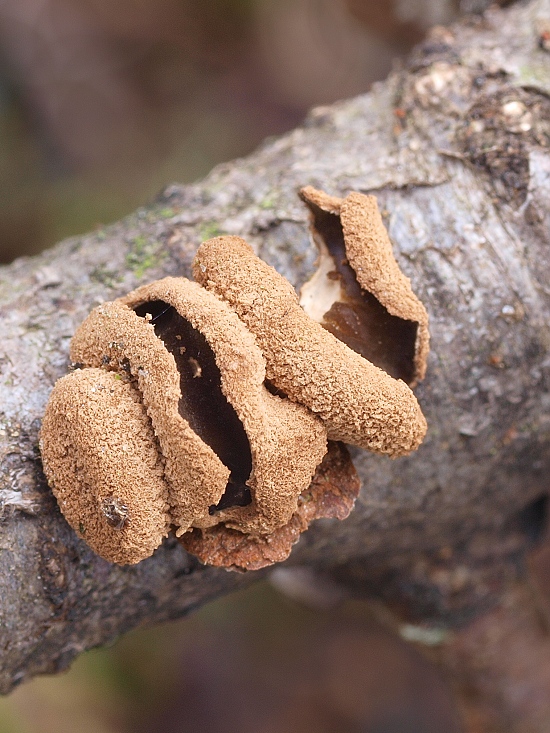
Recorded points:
(332,494)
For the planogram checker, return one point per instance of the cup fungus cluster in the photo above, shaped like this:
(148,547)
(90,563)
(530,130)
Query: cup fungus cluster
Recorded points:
(217,409)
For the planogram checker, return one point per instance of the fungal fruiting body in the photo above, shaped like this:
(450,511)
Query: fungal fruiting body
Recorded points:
(358,402)
(231,451)
(204,408)
(359,292)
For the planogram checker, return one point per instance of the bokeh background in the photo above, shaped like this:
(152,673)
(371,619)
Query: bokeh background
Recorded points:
(101,104)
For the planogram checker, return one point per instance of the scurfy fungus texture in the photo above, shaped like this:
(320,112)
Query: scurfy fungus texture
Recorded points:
(358,402)
(358,292)
(218,409)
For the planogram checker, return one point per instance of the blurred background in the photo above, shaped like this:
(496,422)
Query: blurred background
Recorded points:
(101,104)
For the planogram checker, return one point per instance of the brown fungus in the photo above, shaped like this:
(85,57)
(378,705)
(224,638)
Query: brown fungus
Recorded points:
(202,397)
(177,351)
(358,402)
(359,293)
(283,441)
(206,410)
(332,494)
(114,337)
(97,447)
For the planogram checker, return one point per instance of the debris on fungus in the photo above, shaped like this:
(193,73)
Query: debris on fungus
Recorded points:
(358,402)
(204,408)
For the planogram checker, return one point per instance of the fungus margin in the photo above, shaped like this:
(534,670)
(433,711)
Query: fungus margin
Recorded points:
(331,495)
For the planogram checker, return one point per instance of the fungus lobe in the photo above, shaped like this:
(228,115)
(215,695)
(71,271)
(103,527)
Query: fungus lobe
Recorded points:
(359,293)
(202,403)
(358,402)
(97,447)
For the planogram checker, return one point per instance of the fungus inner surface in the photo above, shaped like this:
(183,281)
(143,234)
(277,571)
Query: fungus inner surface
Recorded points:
(202,402)
(355,316)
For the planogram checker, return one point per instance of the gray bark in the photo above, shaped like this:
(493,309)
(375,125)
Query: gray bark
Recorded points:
(456,148)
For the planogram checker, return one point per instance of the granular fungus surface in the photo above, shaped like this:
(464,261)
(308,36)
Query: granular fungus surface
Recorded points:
(204,408)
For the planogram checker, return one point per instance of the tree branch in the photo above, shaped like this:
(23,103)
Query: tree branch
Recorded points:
(456,148)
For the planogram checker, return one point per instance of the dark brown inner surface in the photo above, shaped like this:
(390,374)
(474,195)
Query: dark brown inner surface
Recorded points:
(361,321)
(202,402)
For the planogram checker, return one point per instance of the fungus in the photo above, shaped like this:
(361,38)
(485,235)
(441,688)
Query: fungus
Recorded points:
(359,293)
(332,494)
(204,408)
(358,402)
(98,446)
(231,451)
(271,445)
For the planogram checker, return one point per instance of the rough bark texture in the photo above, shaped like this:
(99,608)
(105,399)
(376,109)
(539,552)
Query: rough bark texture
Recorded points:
(457,149)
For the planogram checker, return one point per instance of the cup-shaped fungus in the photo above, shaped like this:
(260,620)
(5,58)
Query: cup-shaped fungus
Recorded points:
(206,410)
(358,402)
(231,451)
(358,292)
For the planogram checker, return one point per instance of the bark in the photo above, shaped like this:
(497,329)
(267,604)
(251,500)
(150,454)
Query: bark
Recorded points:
(456,148)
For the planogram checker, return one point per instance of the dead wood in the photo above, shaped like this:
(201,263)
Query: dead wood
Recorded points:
(456,148)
